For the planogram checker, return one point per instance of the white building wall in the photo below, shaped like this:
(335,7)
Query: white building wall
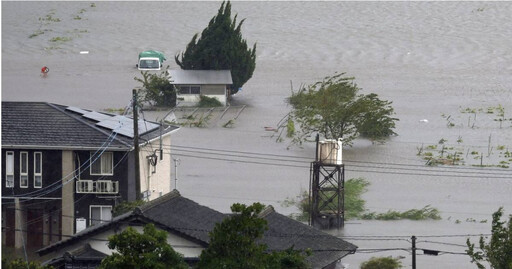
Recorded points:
(213,91)
(185,247)
(157,179)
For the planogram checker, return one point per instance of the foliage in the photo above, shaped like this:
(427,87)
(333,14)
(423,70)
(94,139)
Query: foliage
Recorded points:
(147,250)
(233,244)
(21,264)
(156,89)
(335,109)
(221,47)
(377,123)
(354,204)
(290,128)
(205,101)
(382,263)
(498,252)
(426,212)
(126,206)
(288,259)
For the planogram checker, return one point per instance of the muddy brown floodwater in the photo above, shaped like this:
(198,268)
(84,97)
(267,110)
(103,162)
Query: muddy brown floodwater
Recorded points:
(431,59)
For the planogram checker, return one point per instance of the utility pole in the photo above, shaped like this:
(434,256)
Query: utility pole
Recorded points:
(176,162)
(413,238)
(136,145)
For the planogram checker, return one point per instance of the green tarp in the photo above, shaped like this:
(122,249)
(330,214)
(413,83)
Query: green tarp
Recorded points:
(152,53)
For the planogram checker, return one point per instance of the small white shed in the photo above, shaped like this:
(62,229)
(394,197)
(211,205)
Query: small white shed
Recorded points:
(191,84)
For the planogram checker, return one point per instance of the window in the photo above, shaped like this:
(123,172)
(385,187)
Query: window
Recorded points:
(100,214)
(102,165)
(38,169)
(23,169)
(9,169)
(190,89)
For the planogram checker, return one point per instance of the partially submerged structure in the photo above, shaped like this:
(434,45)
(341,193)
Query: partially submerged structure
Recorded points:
(191,84)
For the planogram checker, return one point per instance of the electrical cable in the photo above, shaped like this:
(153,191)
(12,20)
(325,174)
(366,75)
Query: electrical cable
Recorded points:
(347,169)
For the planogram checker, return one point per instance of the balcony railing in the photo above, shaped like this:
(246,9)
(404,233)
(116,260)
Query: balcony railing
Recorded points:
(97,186)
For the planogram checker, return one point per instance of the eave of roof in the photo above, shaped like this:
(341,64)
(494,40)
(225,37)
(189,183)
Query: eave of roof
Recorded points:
(200,77)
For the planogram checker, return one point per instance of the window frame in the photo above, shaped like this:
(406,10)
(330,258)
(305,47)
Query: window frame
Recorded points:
(7,173)
(24,173)
(101,213)
(189,91)
(40,166)
(99,159)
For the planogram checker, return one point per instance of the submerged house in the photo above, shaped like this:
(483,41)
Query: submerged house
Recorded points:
(65,168)
(191,84)
(188,225)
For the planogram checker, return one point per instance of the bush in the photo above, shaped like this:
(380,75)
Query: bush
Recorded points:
(157,90)
(382,263)
(206,101)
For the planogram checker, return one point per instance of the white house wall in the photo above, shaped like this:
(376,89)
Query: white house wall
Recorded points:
(181,245)
(213,91)
(159,182)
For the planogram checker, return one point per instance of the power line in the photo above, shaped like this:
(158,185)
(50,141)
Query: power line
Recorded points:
(348,168)
(182,148)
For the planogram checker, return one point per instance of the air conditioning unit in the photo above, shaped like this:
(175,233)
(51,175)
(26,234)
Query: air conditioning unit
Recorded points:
(330,152)
(81,224)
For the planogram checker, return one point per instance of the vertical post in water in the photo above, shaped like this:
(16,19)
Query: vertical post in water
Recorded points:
(136,145)
(413,238)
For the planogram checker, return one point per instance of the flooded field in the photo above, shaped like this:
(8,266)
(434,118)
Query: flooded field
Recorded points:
(448,63)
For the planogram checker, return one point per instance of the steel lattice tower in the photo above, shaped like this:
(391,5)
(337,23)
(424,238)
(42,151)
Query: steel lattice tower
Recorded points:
(327,195)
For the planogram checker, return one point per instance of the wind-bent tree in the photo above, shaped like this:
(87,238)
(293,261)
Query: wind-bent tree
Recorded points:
(221,47)
(233,244)
(156,89)
(335,109)
(498,252)
(149,250)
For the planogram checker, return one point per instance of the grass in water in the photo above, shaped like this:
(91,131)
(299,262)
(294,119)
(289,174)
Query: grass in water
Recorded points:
(355,205)
(425,213)
(61,39)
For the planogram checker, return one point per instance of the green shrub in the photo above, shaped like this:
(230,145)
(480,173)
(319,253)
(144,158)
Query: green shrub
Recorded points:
(205,101)
(382,263)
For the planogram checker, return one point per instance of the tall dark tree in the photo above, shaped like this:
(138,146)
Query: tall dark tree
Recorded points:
(233,244)
(221,47)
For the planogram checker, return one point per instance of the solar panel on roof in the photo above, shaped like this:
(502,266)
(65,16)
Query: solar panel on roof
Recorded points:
(77,110)
(112,124)
(124,126)
(128,133)
(93,115)
(145,126)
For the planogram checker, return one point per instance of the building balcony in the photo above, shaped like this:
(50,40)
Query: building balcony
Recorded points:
(97,186)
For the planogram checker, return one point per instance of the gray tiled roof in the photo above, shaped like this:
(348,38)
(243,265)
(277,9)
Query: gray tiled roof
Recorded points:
(46,125)
(188,218)
(284,233)
(200,77)
(183,215)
